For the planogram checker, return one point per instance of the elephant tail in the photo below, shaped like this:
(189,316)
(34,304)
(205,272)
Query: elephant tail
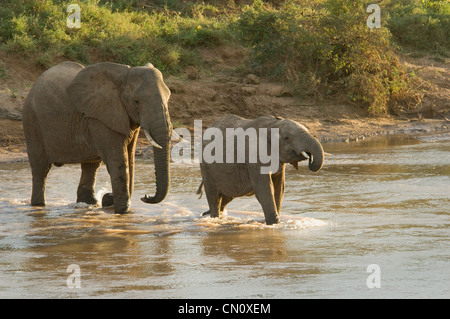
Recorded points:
(199,190)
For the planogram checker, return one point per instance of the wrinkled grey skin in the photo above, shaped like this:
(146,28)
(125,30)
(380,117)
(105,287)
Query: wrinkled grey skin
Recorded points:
(225,181)
(91,115)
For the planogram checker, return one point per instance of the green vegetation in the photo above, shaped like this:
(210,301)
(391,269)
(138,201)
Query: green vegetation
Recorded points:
(421,25)
(325,47)
(117,32)
(319,47)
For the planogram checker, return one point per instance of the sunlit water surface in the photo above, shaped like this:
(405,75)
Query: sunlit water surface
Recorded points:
(381,202)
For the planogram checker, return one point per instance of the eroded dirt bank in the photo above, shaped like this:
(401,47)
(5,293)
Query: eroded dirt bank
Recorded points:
(222,88)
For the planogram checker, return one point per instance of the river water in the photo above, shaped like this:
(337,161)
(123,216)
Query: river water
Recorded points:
(373,223)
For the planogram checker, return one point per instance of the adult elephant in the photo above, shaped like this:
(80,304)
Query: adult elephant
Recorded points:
(90,115)
(224,180)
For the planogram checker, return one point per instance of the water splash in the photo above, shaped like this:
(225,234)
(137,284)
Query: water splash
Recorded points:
(252,221)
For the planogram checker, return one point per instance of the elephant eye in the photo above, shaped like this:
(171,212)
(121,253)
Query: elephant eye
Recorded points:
(286,138)
(136,102)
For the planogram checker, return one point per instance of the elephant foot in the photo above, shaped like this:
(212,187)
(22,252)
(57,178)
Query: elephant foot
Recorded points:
(38,204)
(37,200)
(271,221)
(107,200)
(86,195)
(87,198)
(217,215)
(206,213)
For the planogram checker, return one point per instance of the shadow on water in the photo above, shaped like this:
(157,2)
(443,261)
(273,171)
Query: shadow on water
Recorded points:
(379,201)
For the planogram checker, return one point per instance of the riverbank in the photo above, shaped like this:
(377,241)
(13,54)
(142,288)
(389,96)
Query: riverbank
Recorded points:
(13,148)
(221,88)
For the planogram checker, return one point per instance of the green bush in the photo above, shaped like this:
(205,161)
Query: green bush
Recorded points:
(326,46)
(422,25)
(115,31)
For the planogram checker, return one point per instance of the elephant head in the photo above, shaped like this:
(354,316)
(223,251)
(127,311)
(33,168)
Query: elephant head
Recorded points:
(125,98)
(297,144)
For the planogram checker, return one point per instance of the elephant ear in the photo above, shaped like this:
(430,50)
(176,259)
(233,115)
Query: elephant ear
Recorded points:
(96,91)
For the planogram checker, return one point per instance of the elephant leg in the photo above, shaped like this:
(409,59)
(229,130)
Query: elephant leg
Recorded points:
(278,187)
(224,200)
(39,172)
(113,151)
(86,192)
(264,192)
(119,182)
(40,165)
(214,200)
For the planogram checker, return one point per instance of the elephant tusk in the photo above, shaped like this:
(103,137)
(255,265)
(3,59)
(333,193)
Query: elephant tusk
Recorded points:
(304,154)
(327,154)
(177,138)
(149,137)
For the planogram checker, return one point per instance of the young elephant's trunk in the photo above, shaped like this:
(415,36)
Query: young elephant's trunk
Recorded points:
(316,154)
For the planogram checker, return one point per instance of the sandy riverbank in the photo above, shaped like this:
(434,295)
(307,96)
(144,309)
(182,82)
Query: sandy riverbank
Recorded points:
(13,148)
(220,89)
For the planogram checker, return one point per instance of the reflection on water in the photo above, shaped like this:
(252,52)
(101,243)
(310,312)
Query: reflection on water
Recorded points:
(382,202)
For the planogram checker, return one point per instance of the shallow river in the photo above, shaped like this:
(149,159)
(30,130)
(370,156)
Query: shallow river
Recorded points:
(373,223)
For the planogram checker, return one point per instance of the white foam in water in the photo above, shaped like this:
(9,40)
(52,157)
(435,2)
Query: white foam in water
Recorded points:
(16,201)
(82,205)
(177,210)
(252,220)
(167,218)
(302,223)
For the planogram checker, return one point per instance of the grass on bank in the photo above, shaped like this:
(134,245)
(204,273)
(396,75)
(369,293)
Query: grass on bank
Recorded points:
(113,31)
(319,47)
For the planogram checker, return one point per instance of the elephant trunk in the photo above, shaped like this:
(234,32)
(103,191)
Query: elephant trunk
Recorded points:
(161,151)
(316,154)
(162,174)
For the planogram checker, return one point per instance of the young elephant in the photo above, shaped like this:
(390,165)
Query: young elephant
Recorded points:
(224,179)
